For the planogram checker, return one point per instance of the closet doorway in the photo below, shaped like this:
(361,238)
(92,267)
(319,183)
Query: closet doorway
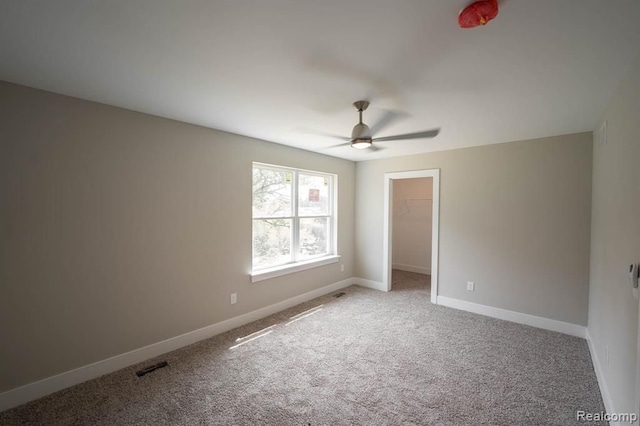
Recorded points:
(411,228)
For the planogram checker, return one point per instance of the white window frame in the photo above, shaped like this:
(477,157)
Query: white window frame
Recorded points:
(295,264)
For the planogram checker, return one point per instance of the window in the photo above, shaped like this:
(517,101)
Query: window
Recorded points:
(293,216)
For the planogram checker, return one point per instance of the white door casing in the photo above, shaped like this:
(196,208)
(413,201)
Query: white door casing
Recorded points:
(387,254)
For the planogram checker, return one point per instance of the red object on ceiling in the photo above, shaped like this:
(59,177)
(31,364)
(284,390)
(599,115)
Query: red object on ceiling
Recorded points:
(478,13)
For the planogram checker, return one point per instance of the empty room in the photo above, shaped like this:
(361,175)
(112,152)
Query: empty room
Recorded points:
(319,212)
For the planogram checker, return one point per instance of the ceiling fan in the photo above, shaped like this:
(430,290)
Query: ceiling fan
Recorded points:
(362,135)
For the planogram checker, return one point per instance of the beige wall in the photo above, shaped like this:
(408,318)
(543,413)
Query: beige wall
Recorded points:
(514,218)
(122,229)
(615,243)
(412,205)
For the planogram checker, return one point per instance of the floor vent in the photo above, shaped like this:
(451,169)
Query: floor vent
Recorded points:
(339,294)
(152,368)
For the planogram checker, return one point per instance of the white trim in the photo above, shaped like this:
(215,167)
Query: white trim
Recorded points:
(412,268)
(265,274)
(31,391)
(637,392)
(602,383)
(375,285)
(513,316)
(333,221)
(295,222)
(387,238)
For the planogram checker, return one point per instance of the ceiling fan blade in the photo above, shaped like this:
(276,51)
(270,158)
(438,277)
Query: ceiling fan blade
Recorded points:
(418,135)
(340,144)
(319,133)
(384,121)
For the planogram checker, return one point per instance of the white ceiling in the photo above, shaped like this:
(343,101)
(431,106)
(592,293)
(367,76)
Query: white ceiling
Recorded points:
(269,68)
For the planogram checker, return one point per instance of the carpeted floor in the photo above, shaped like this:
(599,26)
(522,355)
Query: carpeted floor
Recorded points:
(366,358)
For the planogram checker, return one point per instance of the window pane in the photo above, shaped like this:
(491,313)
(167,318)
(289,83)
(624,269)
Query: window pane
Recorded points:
(313,195)
(314,237)
(271,242)
(271,193)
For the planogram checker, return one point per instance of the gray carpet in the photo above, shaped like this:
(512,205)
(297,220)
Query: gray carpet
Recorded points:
(365,358)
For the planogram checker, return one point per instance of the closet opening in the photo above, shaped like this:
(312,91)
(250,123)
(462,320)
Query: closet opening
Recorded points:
(411,231)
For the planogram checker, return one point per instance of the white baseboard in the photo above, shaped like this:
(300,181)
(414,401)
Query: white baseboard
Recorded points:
(412,268)
(35,390)
(513,316)
(604,389)
(369,284)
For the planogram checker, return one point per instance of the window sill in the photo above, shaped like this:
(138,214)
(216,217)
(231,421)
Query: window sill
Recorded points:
(265,274)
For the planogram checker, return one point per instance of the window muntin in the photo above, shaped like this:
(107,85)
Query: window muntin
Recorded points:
(293,216)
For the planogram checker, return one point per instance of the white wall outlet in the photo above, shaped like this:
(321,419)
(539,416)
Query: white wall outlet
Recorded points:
(234,298)
(606,356)
(471,286)
(342,267)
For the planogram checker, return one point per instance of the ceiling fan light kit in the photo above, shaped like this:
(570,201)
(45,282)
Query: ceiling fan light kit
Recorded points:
(361,143)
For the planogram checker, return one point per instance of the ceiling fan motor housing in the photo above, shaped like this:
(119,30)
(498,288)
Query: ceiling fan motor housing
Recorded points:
(361,131)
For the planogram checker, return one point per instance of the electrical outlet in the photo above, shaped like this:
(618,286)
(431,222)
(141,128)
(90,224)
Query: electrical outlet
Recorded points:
(342,267)
(606,356)
(471,285)
(234,298)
